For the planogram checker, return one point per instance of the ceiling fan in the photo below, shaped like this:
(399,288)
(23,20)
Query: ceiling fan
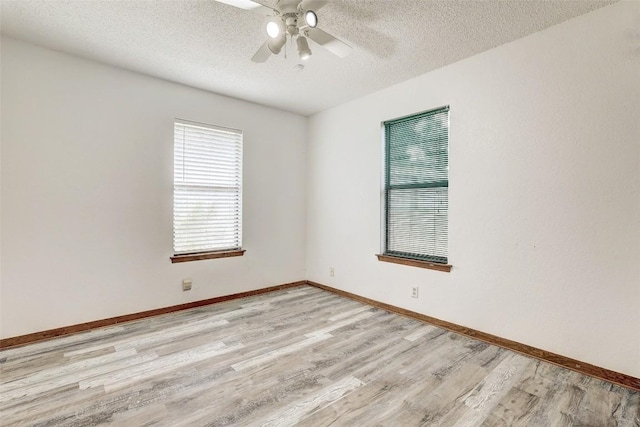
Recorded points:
(293,19)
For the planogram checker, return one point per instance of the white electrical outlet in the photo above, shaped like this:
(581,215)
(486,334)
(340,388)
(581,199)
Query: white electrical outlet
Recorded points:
(186,285)
(332,272)
(414,292)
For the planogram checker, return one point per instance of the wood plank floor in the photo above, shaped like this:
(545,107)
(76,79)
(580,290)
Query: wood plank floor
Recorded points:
(301,356)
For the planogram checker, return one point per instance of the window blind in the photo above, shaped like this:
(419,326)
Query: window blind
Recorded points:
(207,195)
(417,186)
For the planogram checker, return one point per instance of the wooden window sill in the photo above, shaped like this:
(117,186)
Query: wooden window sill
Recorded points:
(206,255)
(415,263)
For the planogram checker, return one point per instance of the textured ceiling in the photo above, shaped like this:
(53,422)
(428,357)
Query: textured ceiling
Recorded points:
(206,44)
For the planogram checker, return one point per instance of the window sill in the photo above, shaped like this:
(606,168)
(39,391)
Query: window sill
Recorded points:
(415,263)
(206,255)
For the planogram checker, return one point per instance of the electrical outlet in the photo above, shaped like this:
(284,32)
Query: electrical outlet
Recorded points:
(186,285)
(332,272)
(414,292)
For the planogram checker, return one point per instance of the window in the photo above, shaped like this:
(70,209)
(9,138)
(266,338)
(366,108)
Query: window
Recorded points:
(416,187)
(207,190)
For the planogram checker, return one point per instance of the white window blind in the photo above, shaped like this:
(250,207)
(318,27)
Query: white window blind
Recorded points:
(207,191)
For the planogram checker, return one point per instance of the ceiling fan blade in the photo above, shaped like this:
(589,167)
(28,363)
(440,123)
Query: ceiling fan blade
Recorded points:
(262,54)
(326,40)
(314,5)
(247,5)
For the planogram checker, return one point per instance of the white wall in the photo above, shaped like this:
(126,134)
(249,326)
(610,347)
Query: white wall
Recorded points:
(87,169)
(544,192)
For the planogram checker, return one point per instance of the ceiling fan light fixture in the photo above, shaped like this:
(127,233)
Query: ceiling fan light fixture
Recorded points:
(275,45)
(303,48)
(273,29)
(310,18)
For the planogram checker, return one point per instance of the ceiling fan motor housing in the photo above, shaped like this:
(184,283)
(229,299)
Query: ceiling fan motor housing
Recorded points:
(286,7)
(291,23)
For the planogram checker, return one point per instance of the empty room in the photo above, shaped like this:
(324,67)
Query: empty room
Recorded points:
(320,212)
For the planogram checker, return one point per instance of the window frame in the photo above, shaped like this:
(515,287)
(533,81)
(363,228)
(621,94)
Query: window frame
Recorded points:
(417,260)
(209,253)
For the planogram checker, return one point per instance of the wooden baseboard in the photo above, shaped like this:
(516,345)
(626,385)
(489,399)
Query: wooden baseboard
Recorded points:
(547,356)
(67,330)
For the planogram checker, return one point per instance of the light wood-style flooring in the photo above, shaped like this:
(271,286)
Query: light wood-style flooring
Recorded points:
(301,356)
